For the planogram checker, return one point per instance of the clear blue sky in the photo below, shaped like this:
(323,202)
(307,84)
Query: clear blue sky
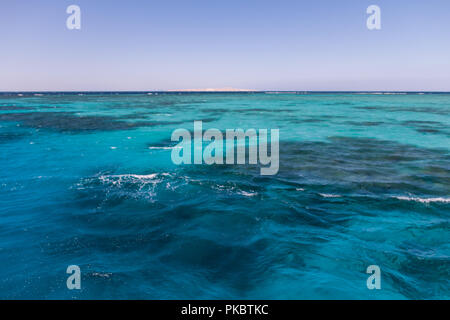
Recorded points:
(274,45)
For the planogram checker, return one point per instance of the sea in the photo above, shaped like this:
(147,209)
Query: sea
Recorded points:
(87,179)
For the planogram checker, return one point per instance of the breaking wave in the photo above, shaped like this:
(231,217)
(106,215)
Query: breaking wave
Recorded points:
(423,200)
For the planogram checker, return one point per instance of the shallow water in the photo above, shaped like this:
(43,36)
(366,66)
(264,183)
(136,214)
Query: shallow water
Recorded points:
(88,180)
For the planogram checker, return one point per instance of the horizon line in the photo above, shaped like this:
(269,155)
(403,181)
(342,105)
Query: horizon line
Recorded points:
(224,91)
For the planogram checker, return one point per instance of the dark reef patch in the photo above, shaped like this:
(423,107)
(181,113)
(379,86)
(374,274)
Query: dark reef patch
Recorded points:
(136,115)
(69,122)
(338,103)
(434,127)
(369,107)
(308,120)
(364,165)
(433,110)
(11,108)
(263,110)
(215,110)
(220,111)
(364,123)
(6,137)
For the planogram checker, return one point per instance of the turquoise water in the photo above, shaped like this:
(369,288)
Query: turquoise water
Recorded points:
(364,179)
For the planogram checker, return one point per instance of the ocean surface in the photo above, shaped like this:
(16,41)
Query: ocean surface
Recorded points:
(87,180)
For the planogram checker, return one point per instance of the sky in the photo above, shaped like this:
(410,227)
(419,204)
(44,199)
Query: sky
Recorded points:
(258,45)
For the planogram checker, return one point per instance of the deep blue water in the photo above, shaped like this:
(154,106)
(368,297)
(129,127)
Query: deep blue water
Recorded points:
(88,180)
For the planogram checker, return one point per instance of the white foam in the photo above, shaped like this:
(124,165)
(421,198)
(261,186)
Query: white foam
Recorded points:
(247,194)
(423,200)
(130,175)
(327,195)
(135,186)
(102,275)
(163,148)
(160,148)
(124,178)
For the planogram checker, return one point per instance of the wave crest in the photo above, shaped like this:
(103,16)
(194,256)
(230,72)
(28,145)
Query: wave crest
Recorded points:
(423,200)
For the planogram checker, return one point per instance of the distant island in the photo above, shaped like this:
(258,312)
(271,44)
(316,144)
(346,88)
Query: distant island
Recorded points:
(226,89)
